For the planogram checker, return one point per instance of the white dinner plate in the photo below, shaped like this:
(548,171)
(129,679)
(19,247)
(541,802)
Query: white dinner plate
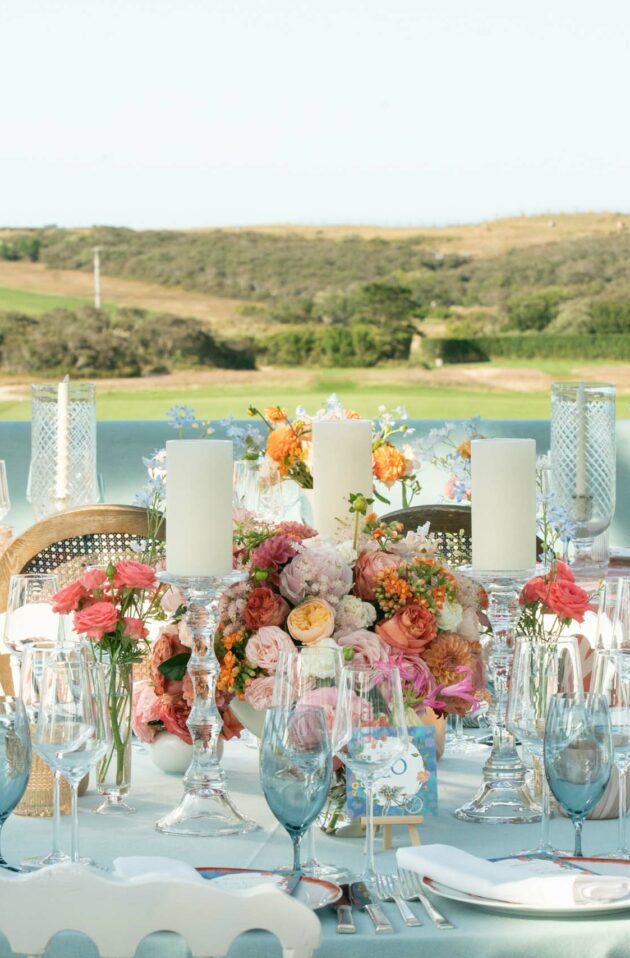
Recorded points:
(314,892)
(600,866)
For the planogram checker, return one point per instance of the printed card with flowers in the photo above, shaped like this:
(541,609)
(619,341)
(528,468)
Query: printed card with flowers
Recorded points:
(409,787)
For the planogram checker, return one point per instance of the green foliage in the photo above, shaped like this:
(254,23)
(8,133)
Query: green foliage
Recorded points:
(132,342)
(610,317)
(483,348)
(533,311)
(21,247)
(343,346)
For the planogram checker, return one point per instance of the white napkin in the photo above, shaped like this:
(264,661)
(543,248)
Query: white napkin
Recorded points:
(134,865)
(532,882)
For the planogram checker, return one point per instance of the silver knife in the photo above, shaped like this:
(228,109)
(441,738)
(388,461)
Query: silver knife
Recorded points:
(345,921)
(360,896)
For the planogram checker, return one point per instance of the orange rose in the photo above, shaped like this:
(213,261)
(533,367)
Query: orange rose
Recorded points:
(410,629)
(311,621)
(388,463)
(284,447)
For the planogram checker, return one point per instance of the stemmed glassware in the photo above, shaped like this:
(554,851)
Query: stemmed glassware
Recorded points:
(34,660)
(539,671)
(73,731)
(309,676)
(611,679)
(5,500)
(295,769)
(578,754)
(15,758)
(369,734)
(29,616)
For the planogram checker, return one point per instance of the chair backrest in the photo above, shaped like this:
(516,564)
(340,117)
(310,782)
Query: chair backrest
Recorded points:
(450,525)
(68,542)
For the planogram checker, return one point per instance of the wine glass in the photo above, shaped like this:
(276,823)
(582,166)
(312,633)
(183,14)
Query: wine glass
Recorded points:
(539,671)
(295,769)
(5,500)
(369,733)
(35,658)
(29,616)
(73,732)
(578,754)
(611,679)
(15,758)
(309,676)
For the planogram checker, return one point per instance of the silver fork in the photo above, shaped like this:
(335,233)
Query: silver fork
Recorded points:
(412,890)
(388,889)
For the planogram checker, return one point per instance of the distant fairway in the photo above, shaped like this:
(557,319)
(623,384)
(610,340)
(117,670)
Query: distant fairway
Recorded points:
(34,304)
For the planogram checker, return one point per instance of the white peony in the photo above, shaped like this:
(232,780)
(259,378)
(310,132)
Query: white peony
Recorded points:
(353,614)
(450,617)
(321,661)
(347,551)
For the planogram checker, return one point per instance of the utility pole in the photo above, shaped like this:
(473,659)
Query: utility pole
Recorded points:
(97,278)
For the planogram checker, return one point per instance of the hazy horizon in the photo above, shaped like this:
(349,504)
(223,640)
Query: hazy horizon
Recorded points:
(187,114)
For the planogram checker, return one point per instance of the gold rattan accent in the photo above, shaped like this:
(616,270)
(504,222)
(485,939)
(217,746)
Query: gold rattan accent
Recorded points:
(37,801)
(68,542)
(450,525)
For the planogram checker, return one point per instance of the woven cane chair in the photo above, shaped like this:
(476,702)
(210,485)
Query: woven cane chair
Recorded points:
(68,542)
(450,525)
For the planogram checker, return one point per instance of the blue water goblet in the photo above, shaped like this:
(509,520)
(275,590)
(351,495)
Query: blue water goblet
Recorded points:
(578,754)
(15,758)
(295,769)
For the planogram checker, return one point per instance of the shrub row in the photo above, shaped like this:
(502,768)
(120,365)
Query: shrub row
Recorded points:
(355,345)
(484,348)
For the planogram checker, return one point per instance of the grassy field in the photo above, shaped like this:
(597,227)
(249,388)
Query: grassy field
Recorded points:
(508,391)
(34,304)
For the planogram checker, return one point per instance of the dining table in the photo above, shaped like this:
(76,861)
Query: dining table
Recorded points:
(476,932)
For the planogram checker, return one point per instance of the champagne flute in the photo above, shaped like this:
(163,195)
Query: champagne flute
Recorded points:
(369,734)
(34,660)
(29,616)
(539,671)
(73,731)
(309,676)
(611,679)
(578,754)
(295,769)
(5,499)
(15,758)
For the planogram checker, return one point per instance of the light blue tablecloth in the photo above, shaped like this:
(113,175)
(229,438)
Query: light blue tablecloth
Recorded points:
(477,933)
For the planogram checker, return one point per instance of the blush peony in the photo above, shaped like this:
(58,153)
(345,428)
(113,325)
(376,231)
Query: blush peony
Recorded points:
(264,647)
(145,709)
(411,629)
(259,693)
(368,647)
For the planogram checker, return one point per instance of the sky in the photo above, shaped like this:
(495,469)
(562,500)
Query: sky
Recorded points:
(184,113)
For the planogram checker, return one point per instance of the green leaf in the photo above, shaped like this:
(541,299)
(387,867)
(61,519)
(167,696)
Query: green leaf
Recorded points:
(175,667)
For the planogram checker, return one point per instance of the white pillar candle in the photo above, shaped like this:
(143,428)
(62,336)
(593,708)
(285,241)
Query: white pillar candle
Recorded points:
(342,463)
(199,507)
(63,451)
(503,504)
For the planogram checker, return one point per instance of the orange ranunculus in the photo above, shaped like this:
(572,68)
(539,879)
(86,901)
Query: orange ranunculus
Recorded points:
(276,414)
(389,464)
(284,447)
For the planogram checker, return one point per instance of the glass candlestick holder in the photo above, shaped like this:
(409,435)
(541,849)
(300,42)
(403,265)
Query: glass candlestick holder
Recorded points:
(206,809)
(503,796)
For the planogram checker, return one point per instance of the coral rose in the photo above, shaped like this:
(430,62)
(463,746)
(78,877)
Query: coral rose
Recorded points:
(311,621)
(264,607)
(145,709)
(96,620)
(133,575)
(167,645)
(259,693)
(534,591)
(174,714)
(367,568)
(411,629)
(567,600)
(67,600)
(389,464)
(94,579)
(284,447)
(232,728)
(264,647)
(134,628)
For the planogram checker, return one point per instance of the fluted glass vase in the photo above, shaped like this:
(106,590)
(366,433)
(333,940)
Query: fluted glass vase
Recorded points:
(113,773)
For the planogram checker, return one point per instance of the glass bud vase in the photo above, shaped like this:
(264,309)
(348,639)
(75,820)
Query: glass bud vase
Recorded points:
(113,773)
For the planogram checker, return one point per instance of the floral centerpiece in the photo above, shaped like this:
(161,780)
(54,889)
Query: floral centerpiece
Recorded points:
(111,608)
(551,604)
(382,597)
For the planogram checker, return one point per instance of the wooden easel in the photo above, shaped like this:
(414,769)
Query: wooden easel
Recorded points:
(387,822)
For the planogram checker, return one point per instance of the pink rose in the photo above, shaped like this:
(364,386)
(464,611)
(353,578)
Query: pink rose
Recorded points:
(94,579)
(96,620)
(166,646)
(367,568)
(174,714)
(410,629)
(134,628)
(368,648)
(264,607)
(67,600)
(171,600)
(145,709)
(264,647)
(259,693)
(133,575)
(567,600)
(312,620)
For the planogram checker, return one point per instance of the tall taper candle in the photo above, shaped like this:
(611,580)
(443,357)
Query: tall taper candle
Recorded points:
(342,463)
(503,504)
(199,507)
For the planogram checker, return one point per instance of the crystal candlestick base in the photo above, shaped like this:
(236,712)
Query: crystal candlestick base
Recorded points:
(503,796)
(206,809)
